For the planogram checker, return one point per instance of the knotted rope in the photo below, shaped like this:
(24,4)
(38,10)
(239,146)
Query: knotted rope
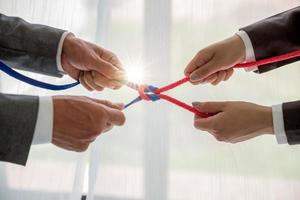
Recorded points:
(151,93)
(148,92)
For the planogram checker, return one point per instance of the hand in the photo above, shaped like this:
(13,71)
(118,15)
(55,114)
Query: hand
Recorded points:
(82,60)
(234,121)
(78,121)
(214,63)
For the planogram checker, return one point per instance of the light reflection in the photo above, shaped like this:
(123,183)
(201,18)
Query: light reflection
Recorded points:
(136,71)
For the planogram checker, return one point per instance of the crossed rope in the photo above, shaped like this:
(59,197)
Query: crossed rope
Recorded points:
(151,93)
(148,92)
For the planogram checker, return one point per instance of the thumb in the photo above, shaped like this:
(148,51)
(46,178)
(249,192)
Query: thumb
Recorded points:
(204,71)
(209,107)
(116,117)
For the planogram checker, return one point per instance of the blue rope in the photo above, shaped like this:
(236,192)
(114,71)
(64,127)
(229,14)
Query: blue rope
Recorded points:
(9,71)
(149,92)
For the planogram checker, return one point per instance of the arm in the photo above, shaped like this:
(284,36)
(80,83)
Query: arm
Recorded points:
(76,121)
(274,36)
(50,51)
(270,37)
(30,47)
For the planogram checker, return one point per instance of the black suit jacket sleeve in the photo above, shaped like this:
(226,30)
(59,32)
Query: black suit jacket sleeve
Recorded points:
(18,114)
(30,47)
(273,36)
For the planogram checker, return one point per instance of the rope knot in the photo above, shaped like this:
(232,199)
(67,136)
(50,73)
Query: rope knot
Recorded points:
(147,93)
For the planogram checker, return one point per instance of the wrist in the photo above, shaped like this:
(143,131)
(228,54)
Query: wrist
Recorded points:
(68,42)
(240,47)
(67,55)
(267,120)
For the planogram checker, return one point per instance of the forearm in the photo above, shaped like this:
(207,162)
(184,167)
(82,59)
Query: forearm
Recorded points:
(30,47)
(275,35)
(18,116)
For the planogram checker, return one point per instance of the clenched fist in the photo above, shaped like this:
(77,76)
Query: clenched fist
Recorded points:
(234,121)
(83,61)
(78,121)
(214,63)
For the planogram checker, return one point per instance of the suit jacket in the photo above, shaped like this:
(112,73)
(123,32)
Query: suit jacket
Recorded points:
(273,36)
(30,47)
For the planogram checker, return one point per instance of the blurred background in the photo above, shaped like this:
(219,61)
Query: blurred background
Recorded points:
(158,155)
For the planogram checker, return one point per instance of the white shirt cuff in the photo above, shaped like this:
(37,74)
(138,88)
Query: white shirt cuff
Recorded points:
(249,51)
(59,51)
(278,124)
(44,123)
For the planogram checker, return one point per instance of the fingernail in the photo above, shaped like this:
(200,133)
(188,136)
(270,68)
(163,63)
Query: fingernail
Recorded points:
(196,104)
(194,77)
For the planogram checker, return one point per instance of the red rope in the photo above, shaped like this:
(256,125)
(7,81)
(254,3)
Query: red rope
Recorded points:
(172,85)
(265,61)
(142,94)
(184,105)
(186,79)
(181,104)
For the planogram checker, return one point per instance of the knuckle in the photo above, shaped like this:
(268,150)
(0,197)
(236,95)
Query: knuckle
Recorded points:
(123,119)
(196,124)
(82,147)
(220,137)
(107,102)
(205,104)
(93,133)
(100,128)
(112,54)
(216,127)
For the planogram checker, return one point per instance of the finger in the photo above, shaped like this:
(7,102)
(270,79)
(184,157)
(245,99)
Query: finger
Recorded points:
(116,117)
(107,103)
(243,138)
(83,83)
(204,71)
(80,147)
(201,58)
(211,78)
(108,127)
(221,77)
(107,55)
(69,68)
(103,81)
(88,78)
(209,107)
(62,145)
(78,137)
(112,58)
(204,124)
(229,73)
(107,69)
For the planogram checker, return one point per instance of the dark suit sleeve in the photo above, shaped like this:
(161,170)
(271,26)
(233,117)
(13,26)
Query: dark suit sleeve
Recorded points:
(275,35)
(30,47)
(291,117)
(18,114)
